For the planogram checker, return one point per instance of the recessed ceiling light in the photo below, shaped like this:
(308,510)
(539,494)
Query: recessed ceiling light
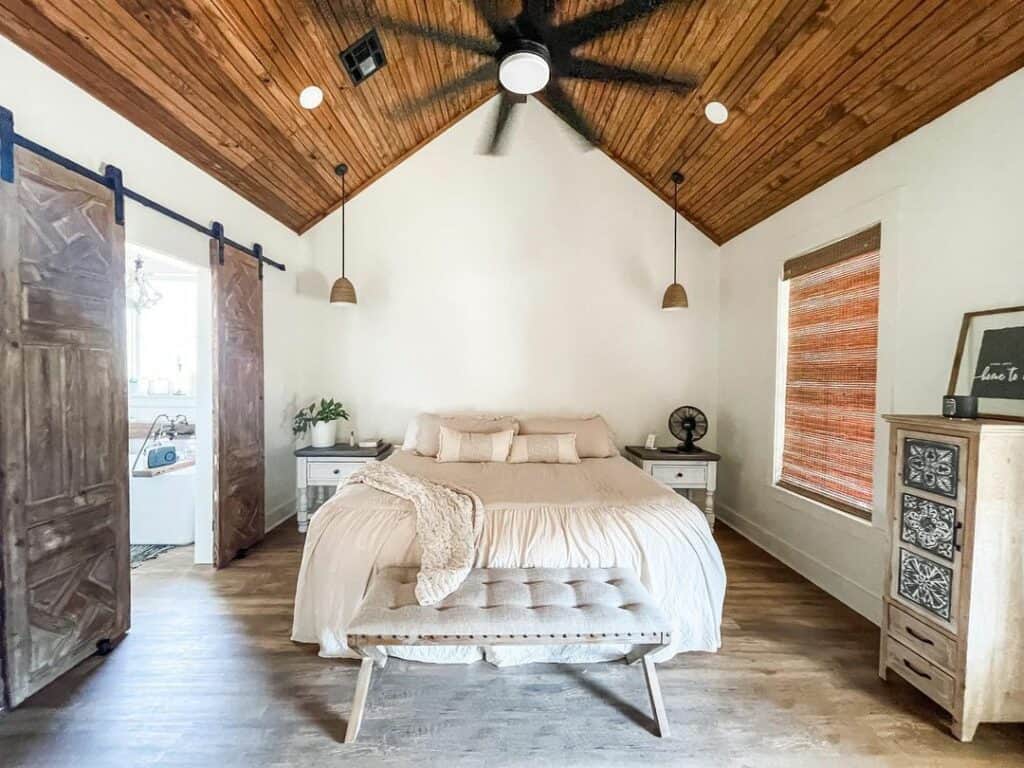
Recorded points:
(716,112)
(311,97)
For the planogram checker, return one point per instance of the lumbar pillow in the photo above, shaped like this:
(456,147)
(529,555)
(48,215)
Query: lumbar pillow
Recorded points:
(473,446)
(423,433)
(593,437)
(544,449)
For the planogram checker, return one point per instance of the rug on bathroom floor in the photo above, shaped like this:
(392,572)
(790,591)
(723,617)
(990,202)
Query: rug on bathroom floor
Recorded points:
(143,552)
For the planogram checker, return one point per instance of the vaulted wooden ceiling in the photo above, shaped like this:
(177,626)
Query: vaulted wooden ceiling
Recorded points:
(813,87)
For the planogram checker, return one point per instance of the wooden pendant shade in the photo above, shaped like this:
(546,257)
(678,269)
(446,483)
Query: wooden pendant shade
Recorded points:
(343,292)
(675,297)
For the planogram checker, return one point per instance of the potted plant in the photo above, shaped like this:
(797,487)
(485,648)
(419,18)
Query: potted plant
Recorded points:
(323,418)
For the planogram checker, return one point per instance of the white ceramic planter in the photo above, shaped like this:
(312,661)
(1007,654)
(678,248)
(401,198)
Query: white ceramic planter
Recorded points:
(325,434)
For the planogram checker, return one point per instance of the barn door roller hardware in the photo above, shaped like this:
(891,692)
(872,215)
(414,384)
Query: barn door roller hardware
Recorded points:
(112,179)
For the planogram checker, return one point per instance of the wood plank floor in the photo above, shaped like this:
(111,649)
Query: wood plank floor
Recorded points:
(208,677)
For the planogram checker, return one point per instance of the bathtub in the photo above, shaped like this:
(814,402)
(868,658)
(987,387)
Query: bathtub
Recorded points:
(163,508)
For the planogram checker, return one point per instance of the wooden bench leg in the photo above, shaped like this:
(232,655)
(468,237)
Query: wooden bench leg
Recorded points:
(654,690)
(359,700)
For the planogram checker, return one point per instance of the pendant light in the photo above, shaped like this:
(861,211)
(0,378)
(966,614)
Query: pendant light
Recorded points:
(675,294)
(343,292)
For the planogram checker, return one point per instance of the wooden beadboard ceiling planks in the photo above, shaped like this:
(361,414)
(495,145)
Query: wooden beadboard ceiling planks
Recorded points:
(813,88)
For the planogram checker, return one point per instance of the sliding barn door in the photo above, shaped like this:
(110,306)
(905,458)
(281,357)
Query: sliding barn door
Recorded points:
(63,428)
(238,395)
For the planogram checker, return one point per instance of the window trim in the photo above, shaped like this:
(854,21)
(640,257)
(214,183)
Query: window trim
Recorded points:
(851,246)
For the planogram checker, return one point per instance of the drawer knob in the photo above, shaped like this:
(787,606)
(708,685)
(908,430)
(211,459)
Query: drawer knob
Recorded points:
(916,671)
(337,471)
(919,638)
(679,474)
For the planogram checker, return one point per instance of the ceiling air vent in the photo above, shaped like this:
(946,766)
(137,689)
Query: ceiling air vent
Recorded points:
(364,57)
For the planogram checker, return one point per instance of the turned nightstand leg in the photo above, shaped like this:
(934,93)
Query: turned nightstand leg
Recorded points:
(709,494)
(302,496)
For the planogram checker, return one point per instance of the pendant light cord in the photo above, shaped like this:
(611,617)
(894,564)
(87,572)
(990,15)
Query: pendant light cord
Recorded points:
(343,225)
(675,232)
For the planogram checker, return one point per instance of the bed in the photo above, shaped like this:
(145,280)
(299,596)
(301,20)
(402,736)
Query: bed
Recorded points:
(600,513)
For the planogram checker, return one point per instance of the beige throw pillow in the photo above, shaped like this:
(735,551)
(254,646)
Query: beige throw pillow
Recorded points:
(593,437)
(423,434)
(473,446)
(544,449)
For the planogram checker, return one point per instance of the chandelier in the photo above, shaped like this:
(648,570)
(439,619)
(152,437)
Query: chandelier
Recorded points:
(140,292)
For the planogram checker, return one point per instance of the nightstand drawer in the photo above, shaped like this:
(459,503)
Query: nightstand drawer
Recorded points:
(681,475)
(329,472)
(922,638)
(921,673)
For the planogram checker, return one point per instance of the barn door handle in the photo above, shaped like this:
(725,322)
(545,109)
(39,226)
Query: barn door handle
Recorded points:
(916,671)
(919,638)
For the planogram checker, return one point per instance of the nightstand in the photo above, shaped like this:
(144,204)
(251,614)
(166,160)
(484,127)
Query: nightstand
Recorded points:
(319,470)
(681,471)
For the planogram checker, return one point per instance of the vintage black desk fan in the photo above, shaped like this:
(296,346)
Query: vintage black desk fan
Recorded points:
(688,424)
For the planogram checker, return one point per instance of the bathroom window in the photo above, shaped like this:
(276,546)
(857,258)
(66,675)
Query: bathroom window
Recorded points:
(161,326)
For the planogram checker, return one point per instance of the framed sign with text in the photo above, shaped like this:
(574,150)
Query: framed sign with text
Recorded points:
(989,362)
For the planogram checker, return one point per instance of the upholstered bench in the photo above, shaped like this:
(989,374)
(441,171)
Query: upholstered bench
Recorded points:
(511,606)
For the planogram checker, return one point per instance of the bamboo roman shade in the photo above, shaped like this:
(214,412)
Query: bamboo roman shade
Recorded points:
(828,446)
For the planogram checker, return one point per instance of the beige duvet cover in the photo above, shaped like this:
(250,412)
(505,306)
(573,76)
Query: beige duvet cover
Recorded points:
(599,513)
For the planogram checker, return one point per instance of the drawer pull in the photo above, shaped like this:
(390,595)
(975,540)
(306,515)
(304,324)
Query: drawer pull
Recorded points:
(958,537)
(916,671)
(679,474)
(337,471)
(919,638)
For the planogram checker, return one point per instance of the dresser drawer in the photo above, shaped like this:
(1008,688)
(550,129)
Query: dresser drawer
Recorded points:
(329,472)
(921,638)
(920,673)
(681,475)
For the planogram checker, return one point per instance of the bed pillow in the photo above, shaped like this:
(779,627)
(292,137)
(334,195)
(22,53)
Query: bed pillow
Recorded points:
(423,433)
(544,449)
(593,437)
(473,446)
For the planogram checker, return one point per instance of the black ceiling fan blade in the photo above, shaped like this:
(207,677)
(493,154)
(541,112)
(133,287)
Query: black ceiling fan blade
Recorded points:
(445,36)
(508,100)
(559,101)
(585,69)
(482,74)
(596,23)
(488,10)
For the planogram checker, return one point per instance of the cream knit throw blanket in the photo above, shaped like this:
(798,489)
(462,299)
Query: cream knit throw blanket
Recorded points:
(448,522)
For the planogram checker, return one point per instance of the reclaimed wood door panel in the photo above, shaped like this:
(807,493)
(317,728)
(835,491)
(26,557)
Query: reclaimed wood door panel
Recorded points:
(238,393)
(64,434)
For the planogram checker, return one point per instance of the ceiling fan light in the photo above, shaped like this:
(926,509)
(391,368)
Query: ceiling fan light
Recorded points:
(524,72)
(343,292)
(716,112)
(675,298)
(311,97)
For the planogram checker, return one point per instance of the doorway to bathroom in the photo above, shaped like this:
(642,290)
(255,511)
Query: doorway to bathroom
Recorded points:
(169,358)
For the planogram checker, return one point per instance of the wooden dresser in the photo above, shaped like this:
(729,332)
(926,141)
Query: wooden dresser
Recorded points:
(953,619)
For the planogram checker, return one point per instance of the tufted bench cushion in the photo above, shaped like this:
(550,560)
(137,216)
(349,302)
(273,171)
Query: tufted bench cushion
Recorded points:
(542,605)
(505,606)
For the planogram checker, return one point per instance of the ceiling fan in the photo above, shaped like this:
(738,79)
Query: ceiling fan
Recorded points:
(529,54)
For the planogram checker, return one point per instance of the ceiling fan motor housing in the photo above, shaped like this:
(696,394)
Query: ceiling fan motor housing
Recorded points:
(524,66)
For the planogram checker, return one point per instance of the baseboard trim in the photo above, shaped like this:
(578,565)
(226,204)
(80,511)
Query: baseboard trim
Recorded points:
(282,513)
(847,591)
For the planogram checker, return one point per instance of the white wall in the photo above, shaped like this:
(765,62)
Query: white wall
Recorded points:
(949,200)
(51,110)
(528,282)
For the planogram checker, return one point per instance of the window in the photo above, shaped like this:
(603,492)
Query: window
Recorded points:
(831,363)
(162,338)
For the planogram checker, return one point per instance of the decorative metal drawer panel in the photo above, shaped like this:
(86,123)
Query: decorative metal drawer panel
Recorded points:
(926,583)
(931,466)
(928,525)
